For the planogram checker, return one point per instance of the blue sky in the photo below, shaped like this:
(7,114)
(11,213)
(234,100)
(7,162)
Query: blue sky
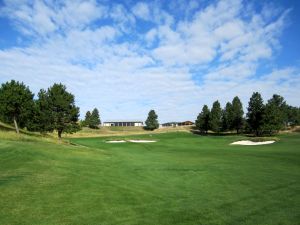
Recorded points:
(127,57)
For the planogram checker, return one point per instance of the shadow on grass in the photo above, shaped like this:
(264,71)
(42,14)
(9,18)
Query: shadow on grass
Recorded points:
(10,179)
(261,137)
(197,132)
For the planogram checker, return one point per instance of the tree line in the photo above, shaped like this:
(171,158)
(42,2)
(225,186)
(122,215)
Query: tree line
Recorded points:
(54,108)
(260,119)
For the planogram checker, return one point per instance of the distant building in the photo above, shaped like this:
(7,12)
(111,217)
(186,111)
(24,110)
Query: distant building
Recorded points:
(186,123)
(177,124)
(123,124)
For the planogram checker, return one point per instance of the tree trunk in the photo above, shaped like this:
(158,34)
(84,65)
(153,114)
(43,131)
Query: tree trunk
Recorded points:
(16,125)
(256,133)
(59,133)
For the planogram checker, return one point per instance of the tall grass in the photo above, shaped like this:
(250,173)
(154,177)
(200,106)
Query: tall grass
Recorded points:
(28,137)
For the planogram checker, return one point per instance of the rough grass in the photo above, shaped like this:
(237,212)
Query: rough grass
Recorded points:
(181,179)
(29,137)
(7,132)
(119,131)
(5,127)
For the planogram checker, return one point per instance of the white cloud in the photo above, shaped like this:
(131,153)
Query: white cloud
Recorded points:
(150,36)
(42,18)
(122,17)
(141,10)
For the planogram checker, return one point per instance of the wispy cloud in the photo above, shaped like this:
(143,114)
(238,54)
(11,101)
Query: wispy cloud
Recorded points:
(127,59)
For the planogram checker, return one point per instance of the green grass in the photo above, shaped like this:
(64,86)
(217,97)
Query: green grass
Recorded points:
(181,179)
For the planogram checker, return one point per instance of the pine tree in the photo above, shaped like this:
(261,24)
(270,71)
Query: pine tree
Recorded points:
(292,116)
(202,122)
(152,122)
(16,103)
(87,119)
(64,112)
(227,117)
(237,114)
(42,119)
(94,119)
(274,116)
(215,121)
(255,113)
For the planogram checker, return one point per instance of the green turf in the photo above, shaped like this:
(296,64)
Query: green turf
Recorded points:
(181,179)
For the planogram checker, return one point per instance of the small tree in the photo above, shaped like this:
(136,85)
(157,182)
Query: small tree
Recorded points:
(152,122)
(215,121)
(16,103)
(64,112)
(255,113)
(94,119)
(87,119)
(237,114)
(202,122)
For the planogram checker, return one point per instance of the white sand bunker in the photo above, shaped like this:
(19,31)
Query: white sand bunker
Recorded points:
(142,141)
(252,143)
(116,141)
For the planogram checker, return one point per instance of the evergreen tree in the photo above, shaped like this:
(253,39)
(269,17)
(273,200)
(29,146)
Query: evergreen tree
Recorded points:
(202,122)
(94,119)
(227,117)
(274,116)
(237,114)
(215,122)
(152,122)
(16,103)
(64,112)
(87,119)
(42,119)
(255,113)
(292,116)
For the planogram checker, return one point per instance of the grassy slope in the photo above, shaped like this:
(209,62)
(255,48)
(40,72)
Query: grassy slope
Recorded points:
(181,179)
(6,127)
(7,132)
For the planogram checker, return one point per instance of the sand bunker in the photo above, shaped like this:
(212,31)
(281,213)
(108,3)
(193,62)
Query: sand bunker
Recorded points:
(142,141)
(119,141)
(252,143)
